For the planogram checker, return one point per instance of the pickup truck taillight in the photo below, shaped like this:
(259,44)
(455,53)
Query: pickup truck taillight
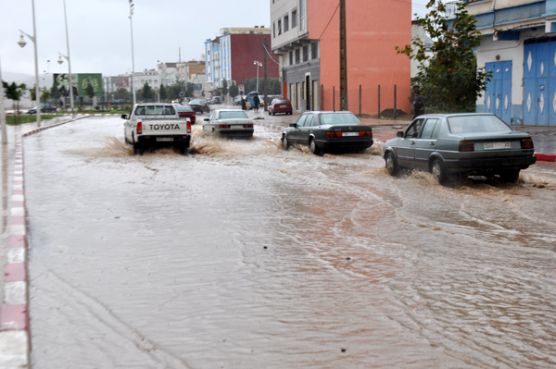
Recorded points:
(139,128)
(188,126)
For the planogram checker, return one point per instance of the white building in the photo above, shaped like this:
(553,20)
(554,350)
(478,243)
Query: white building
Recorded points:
(519,49)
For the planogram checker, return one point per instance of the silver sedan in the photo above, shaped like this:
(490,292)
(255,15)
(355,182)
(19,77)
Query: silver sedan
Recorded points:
(229,123)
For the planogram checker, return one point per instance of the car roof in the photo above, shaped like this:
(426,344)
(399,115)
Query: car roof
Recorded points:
(219,110)
(448,115)
(329,111)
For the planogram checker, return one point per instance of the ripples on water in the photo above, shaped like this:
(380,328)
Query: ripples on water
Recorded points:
(243,255)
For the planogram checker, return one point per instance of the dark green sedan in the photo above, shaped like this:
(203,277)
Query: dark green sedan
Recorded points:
(327,131)
(450,145)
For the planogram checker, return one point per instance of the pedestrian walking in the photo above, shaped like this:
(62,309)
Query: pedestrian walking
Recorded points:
(256,103)
(418,103)
(243,103)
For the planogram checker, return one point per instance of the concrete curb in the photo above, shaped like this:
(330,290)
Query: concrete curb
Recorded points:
(15,338)
(545,157)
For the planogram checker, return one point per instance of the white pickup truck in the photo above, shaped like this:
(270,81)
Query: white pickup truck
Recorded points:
(151,125)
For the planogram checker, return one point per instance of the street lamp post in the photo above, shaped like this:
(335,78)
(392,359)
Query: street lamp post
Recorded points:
(22,43)
(259,65)
(131,9)
(68,58)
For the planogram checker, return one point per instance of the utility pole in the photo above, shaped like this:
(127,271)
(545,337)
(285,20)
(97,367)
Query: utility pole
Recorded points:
(2,111)
(343,58)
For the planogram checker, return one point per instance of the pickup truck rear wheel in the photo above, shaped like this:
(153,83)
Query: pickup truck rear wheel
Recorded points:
(138,149)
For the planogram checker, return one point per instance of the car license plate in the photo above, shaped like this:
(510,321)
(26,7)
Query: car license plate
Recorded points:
(497,145)
(164,139)
(282,106)
(350,134)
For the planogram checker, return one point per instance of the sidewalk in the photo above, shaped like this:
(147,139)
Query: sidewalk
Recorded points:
(14,318)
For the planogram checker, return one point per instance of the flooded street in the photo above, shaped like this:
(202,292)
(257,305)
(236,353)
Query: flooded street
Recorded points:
(242,255)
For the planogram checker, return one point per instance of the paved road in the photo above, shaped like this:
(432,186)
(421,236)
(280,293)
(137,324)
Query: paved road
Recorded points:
(241,255)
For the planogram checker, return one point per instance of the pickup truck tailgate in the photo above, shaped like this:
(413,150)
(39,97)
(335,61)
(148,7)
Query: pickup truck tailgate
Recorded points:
(166,128)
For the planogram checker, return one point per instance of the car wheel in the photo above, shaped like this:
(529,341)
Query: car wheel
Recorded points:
(285,142)
(511,175)
(391,164)
(313,147)
(438,171)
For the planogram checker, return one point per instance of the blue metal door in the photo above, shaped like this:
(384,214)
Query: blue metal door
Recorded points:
(498,94)
(539,83)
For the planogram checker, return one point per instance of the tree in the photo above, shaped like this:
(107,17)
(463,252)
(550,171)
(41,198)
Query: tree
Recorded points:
(448,76)
(90,90)
(163,93)
(122,94)
(45,94)
(224,88)
(147,93)
(234,91)
(13,91)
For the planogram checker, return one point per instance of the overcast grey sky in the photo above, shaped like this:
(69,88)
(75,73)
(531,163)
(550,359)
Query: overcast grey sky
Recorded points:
(100,35)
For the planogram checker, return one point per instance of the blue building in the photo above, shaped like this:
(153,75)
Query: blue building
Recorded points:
(519,48)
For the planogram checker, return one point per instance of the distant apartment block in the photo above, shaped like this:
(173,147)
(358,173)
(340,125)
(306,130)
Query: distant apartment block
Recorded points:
(231,56)
(305,34)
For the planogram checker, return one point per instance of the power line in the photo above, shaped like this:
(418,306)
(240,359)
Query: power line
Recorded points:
(330,21)
(269,54)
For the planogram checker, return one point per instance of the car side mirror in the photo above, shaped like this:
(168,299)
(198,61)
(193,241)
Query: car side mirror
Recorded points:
(206,119)
(293,125)
(124,116)
(399,134)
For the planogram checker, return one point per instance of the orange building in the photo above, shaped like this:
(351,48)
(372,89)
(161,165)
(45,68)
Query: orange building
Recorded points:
(306,35)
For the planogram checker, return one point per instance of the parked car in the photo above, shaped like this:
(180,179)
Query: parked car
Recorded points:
(199,106)
(328,131)
(230,123)
(280,106)
(186,111)
(460,144)
(45,108)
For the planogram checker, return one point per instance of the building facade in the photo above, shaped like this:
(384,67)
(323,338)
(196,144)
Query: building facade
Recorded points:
(305,33)
(519,49)
(230,57)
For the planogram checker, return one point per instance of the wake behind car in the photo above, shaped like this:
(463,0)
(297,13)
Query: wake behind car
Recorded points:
(460,144)
(328,131)
(229,123)
(151,125)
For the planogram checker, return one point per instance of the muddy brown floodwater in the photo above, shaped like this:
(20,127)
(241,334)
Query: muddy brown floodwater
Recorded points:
(241,255)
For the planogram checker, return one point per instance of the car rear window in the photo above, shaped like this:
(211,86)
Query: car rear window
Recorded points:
(232,115)
(338,118)
(476,124)
(155,110)
(184,108)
